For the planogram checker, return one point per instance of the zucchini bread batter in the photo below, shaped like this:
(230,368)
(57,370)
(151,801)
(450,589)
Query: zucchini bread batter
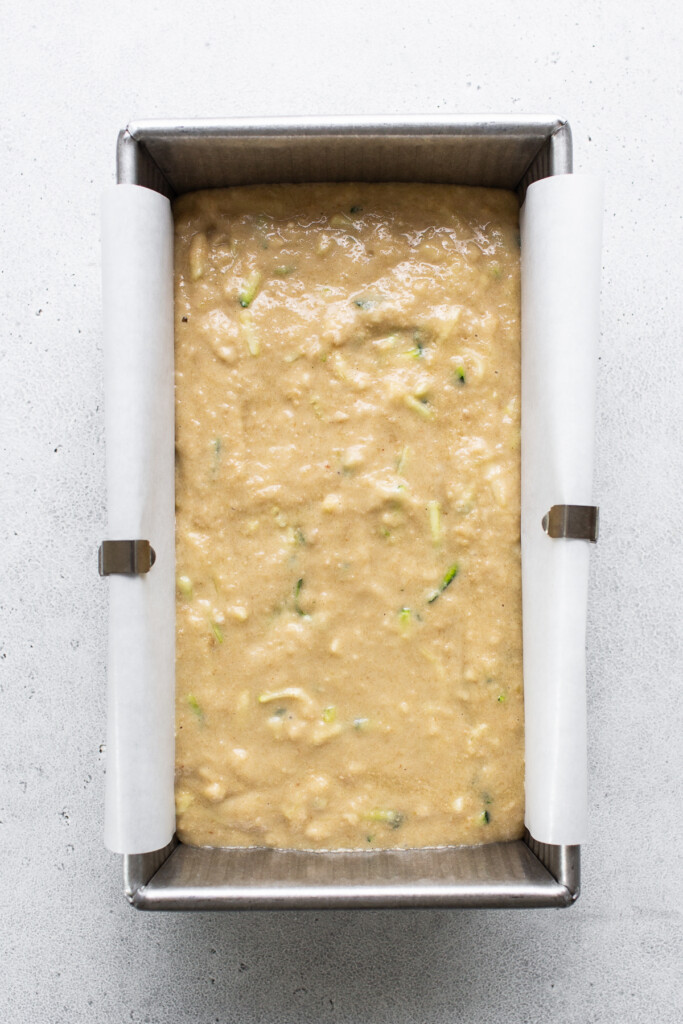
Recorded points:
(349,648)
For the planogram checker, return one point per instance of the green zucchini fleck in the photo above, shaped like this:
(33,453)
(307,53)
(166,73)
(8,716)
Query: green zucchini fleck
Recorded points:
(420,405)
(401,461)
(249,332)
(217,447)
(394,819)
(194,704)
(250,289)
(445,583)
(297,606)
(184,584)
(434,510)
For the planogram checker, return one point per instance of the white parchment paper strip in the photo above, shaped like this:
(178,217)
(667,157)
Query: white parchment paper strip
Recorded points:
(561,250)
(137,249)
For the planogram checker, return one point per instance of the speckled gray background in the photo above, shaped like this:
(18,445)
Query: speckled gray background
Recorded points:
(72,75)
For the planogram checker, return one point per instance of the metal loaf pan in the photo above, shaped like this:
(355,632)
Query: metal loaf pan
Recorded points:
(506,152)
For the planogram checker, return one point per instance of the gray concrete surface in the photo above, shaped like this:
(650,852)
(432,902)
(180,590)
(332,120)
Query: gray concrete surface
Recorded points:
(72,75)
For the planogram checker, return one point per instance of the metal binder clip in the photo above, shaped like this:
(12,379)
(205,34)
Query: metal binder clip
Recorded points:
(125,557)
(577,522)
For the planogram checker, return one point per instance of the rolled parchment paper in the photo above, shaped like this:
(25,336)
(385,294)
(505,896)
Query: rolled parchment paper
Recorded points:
(561,226)
(561,234)
(137,258)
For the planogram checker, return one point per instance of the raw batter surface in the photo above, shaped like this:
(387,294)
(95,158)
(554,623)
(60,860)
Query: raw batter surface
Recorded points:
(349,652)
